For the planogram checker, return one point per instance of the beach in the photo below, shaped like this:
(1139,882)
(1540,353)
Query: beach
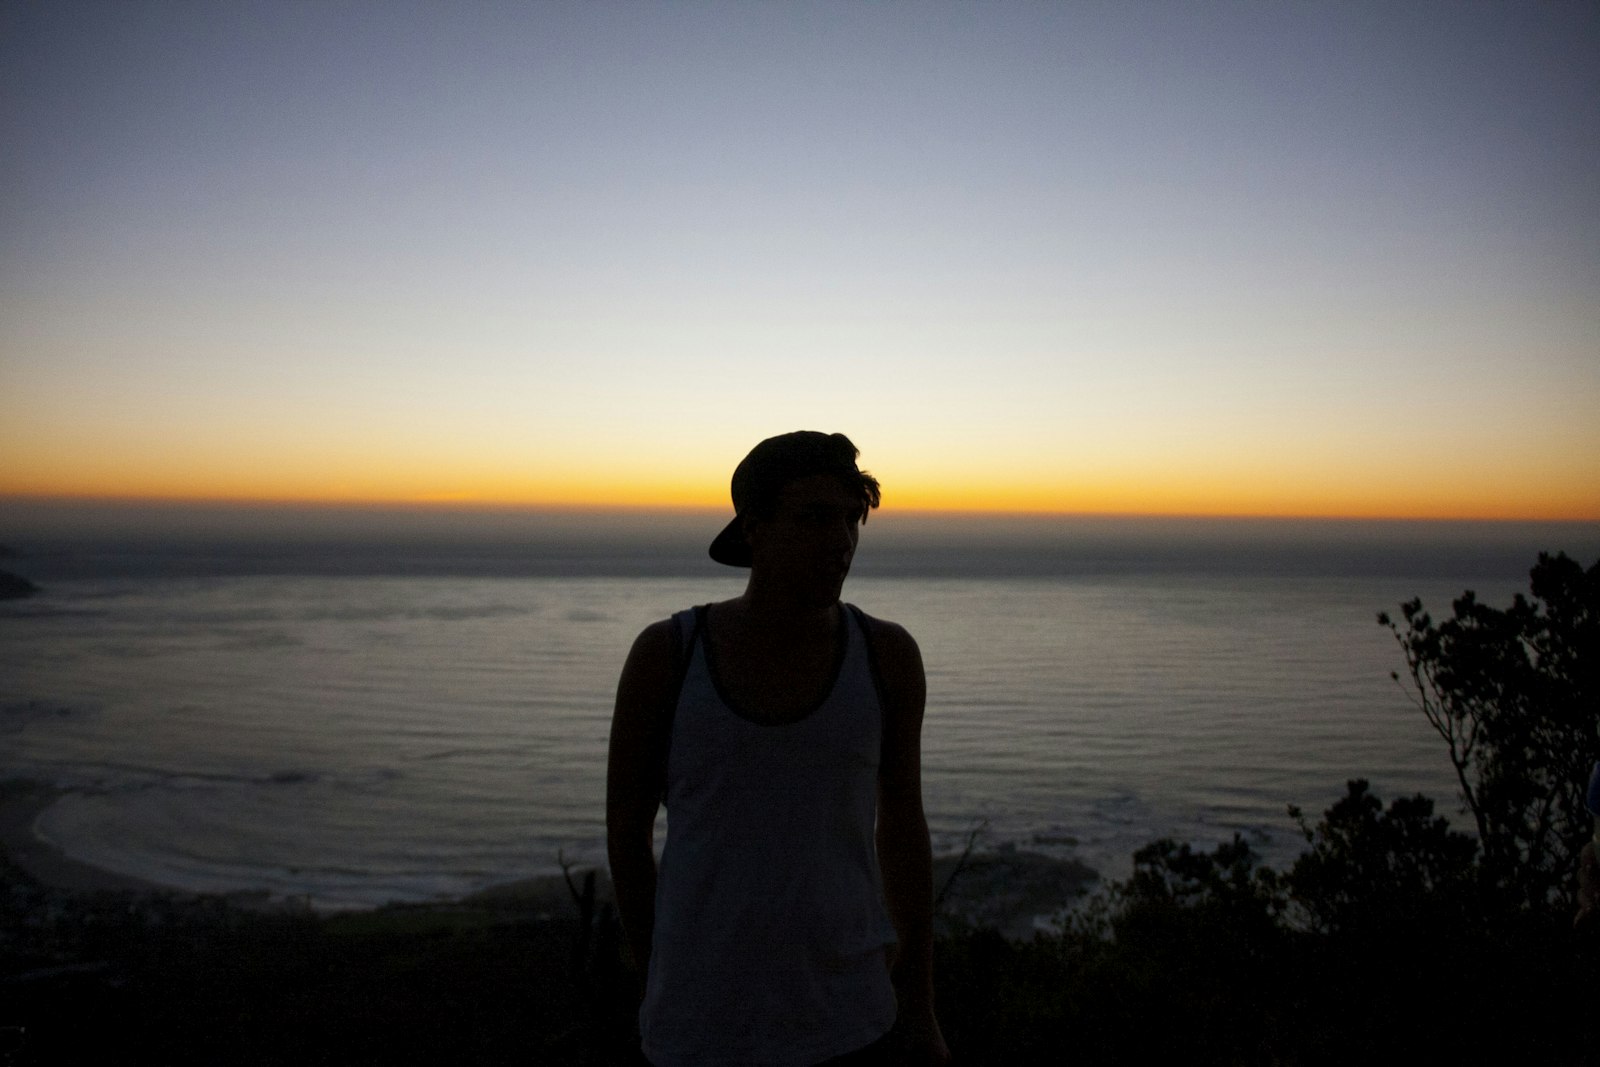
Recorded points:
(21,803)
(543,898)
(1013,891)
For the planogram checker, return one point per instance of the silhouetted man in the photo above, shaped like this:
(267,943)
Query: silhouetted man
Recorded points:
(782,729)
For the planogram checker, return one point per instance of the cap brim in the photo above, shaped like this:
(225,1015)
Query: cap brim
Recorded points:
(730,547)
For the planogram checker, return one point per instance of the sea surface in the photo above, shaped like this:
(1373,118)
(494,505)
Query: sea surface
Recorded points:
(409,713)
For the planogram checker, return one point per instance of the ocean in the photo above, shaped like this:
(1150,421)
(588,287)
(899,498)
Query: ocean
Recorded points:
(371,706)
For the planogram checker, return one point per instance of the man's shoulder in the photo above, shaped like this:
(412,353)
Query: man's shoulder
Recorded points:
(889,639)
(671,627)
(666,639)
(651,657)
(657,635)
(879,625)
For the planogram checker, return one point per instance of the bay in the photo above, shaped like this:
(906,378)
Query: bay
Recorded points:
(353,739)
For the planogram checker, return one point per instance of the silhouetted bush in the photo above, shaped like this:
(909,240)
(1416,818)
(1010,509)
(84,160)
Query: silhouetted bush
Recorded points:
(1377,872)
(1515,695)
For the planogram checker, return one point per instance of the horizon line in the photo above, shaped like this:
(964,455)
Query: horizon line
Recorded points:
(465,506)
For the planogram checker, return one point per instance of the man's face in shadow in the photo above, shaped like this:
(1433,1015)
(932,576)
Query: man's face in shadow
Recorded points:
(807,544)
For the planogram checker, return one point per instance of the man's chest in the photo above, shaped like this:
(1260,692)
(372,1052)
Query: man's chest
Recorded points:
(774,682)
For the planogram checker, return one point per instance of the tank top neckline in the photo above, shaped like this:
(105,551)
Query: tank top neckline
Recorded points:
(703,639)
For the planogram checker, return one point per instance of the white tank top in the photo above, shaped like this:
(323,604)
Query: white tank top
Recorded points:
(770,928)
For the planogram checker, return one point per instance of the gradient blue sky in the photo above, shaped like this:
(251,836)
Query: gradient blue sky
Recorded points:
(1259,258)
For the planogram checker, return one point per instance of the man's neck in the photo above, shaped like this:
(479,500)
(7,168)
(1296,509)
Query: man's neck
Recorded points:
(774,611)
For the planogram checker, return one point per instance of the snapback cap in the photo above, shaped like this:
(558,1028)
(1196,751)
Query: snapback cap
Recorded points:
(774,463)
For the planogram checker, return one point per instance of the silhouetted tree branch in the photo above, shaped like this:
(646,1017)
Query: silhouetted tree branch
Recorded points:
(1514,694)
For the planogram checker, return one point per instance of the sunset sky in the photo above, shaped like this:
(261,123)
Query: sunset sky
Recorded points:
(1219,258)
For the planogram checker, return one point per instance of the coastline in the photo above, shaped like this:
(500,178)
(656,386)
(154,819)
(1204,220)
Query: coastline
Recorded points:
(22,801)
(21,804)
(1007,889)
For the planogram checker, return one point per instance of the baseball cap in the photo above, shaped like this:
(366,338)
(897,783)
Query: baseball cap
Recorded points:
(774,463)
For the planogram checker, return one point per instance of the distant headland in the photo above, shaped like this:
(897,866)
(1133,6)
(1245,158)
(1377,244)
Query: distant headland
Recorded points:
(13,586)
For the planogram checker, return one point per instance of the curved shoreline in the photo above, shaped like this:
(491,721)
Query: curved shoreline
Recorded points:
(1006,888)
(23,801)
(21,804)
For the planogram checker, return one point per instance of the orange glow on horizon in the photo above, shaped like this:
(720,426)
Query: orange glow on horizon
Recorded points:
(1129,499)
(617,473)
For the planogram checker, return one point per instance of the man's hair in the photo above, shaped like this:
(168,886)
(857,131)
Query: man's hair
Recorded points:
(759,479)
(803,454)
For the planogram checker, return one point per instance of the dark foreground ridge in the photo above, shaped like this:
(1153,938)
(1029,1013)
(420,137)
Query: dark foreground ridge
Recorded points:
(181,979)
(1186,961)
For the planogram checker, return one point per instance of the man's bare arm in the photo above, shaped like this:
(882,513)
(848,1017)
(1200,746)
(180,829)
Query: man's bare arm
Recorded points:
(633,781)
(904,853)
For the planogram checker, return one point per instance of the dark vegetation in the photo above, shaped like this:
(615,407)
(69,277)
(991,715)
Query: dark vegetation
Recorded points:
(1394,938)
(123,978)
